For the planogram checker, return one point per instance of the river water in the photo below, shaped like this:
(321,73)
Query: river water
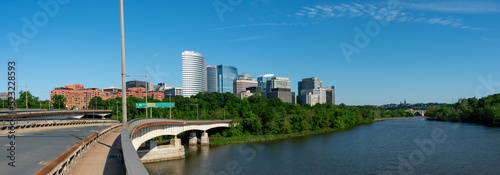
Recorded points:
(386,147)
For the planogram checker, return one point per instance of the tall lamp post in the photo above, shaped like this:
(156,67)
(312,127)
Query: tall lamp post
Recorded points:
(146,76)
(196,110)
(170,101)
(124,90)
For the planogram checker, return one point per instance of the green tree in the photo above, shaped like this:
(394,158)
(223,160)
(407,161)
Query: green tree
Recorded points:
(58,102)
(33,102)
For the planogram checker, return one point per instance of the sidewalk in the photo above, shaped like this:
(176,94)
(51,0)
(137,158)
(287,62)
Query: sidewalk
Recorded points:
(103,158)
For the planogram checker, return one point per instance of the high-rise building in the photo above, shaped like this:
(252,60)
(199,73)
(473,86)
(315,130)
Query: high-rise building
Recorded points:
(311,83)
(311,92)
(160,87)
(279,87)
(194,73)
(173,92)
(225,76)
(243,82)
(330,95)
(278,82)
(262,82)
(212,79)
(284,94)
(135,83)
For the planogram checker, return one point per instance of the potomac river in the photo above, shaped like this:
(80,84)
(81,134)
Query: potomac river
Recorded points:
(386,147)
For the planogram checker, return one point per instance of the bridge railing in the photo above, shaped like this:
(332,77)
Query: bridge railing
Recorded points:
(6,124)
(11,113)
(63,161)
(133,164)
(133,124)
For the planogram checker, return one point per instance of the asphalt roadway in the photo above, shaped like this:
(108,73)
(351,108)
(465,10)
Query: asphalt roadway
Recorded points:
(34,150)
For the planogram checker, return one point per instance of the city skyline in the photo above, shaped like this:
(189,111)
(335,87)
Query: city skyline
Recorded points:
(428,53)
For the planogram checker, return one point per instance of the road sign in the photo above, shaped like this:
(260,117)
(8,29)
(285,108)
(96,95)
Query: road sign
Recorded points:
(155,105)
(165,105)
(140,105)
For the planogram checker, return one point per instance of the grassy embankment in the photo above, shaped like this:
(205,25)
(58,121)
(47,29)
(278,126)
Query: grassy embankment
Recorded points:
(269,137)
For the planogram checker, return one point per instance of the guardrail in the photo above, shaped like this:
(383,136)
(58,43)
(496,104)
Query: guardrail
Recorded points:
(63,161)
(5,124)
(133,164)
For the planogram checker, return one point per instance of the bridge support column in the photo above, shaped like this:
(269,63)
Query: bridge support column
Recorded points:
(204,138)
(151,144)
(193,140)
(176,142)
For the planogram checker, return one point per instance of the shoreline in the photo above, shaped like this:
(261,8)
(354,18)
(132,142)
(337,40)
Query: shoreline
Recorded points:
(263,138)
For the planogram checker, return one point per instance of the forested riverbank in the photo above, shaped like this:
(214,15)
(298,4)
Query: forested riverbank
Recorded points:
(485,111)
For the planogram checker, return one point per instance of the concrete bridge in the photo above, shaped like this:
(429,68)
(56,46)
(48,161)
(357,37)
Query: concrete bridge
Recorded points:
(422,112)
(398,118)
(144,129)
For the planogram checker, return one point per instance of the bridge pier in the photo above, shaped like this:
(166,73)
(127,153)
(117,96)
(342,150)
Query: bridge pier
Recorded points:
(161,153)
(151,144)
(193,140)
(204,138)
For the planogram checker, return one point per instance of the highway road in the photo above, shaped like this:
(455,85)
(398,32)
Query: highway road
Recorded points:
(34,150)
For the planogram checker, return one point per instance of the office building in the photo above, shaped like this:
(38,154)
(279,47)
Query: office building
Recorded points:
(309,83)
(4,95)
(194,73)
(212,79)
(243,82)
(262,83)
(173,91)
(330,95)
(282,93)
(312,92)
(278,82)
(225,76)
(135,83)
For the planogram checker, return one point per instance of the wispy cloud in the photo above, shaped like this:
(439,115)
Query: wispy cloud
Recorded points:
(319,13)
(488,39)
(373,11)
(157,54)
(262,24)
(249,38)
(461,7)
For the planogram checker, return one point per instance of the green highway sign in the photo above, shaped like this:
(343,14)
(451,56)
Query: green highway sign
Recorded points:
(165,105)
(140,105)
(155,105)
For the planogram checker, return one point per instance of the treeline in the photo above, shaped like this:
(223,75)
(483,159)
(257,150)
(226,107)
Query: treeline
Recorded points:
(255,115)
(483,111)
(33,101)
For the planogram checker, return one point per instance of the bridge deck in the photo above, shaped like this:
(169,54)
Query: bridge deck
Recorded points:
(35,150)
(102,158)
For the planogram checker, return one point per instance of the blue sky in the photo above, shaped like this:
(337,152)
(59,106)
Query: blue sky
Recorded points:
(422,51)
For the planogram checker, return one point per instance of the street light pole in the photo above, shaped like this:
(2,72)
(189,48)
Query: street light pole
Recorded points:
(170,101)
(124,90)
